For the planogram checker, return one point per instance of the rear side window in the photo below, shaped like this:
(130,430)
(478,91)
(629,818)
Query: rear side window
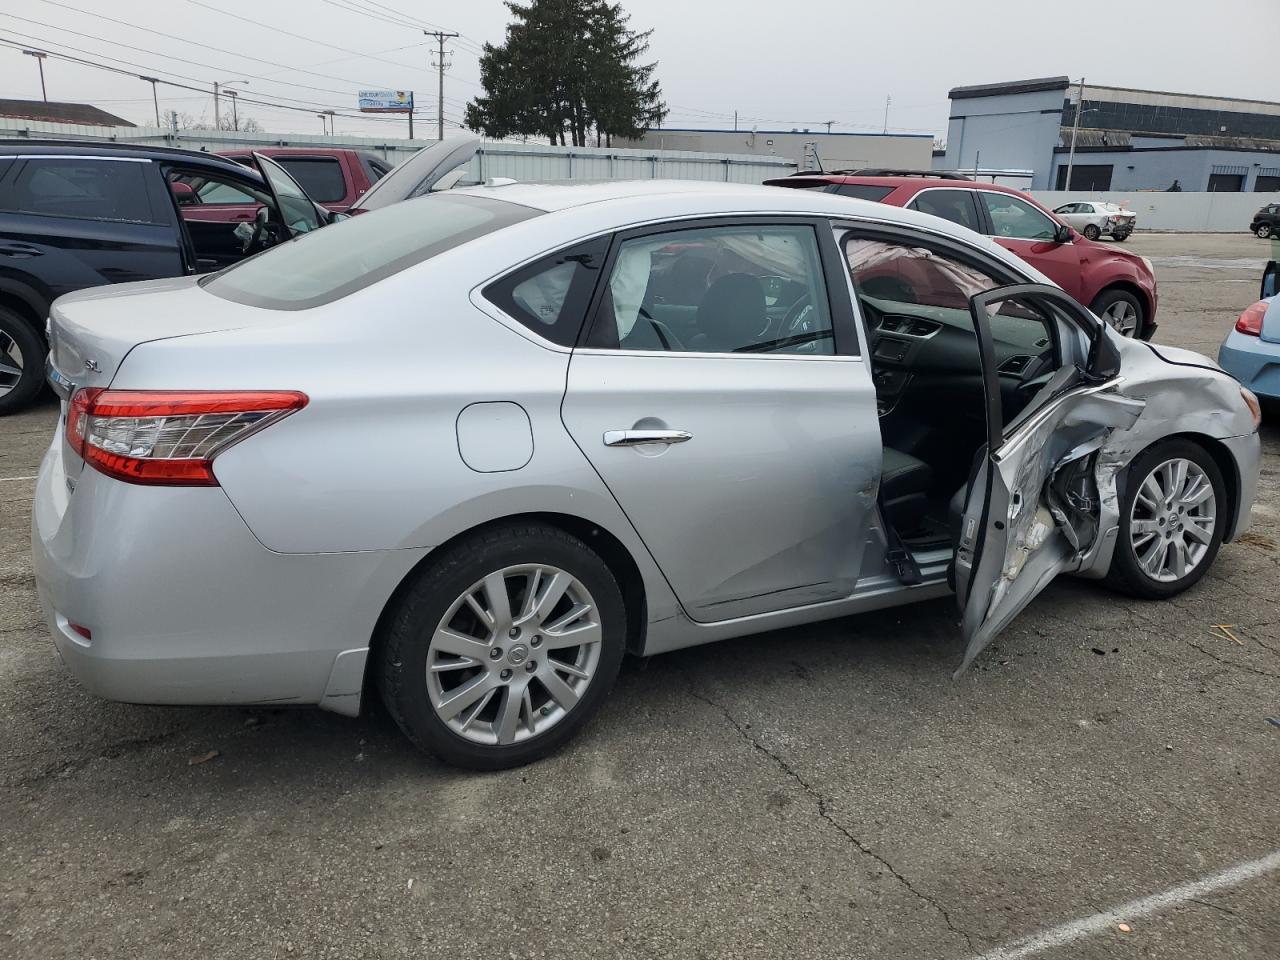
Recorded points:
(96,189)
(551,297)
(330,263)
(320,177)
(863,191)
(954,205)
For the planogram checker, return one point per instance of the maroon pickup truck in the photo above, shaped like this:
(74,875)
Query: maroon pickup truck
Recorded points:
(332,177)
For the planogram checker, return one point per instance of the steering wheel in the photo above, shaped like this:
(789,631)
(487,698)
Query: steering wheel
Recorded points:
(801,319)
(259,230)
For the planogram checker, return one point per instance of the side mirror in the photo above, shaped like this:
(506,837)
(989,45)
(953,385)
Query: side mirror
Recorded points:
(1062,234)
(182,193)
(1270,280)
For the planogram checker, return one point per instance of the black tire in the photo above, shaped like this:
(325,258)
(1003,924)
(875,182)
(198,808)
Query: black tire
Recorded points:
(404,645)
(1091,231)
(1108,298)
(1119,237)
(1263,231)
(1126,573)
(14,330)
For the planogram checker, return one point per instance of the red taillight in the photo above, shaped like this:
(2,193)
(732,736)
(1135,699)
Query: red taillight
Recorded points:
(82,630)
(168,437)
(1250,321)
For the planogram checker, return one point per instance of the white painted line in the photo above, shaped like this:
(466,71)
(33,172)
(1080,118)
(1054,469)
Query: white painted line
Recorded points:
(3,479)
(1107,920)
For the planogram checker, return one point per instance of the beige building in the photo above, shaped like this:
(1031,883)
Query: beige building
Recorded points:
(834,151)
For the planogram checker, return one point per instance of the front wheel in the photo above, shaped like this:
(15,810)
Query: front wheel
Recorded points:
(504,648)
(1091,231)
(1120,237)
(1262,231)
(1121,310)
(21,362)
(1173,508)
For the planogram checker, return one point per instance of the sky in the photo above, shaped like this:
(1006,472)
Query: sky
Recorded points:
(779,66)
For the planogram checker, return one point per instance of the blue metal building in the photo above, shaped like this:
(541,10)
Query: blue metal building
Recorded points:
(1126,139)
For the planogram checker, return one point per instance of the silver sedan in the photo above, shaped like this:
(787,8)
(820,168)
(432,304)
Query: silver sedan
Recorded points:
(468,450)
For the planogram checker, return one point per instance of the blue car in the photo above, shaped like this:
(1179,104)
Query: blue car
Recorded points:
(1251,352)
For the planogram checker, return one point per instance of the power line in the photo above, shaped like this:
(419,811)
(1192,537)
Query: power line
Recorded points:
(187,60)
(308,108)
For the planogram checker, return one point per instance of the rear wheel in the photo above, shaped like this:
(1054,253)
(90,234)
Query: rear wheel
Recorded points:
(1172,514)
(1262,231)
(1120,237)
(1121,310)
(504,648)
(1091,231)
(21,362)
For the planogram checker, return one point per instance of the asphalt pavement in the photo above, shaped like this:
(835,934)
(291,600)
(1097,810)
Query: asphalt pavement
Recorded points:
(826,791)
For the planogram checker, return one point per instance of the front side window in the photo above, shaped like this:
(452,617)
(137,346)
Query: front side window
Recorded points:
(730,289)
(550,297)
(954,205)
(331,263)
(320,177)
(1016,219)
(84,189)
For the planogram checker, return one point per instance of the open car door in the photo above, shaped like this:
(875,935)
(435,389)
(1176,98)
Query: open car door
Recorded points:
(1032,510)
(299,212)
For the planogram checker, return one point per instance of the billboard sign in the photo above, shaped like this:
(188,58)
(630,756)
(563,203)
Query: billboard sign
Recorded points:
(385,101)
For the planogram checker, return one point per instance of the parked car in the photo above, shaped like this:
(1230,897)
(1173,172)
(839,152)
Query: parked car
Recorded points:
(1097,218)
(1118,286)
(1266,222)
(76,215)
(334,178)
(1251,351)
(468,449)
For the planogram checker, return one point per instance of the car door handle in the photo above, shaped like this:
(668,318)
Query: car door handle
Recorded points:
(630,438)
(19,250)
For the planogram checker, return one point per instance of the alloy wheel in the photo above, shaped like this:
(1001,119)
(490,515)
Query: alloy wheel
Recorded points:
(1172,521)
(513,655)
(1123,317)
(1263,231)
(11,363)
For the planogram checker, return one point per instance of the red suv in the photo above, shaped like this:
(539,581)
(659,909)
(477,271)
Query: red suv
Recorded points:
(1118,286)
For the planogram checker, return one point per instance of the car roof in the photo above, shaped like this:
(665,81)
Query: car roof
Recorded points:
(78,148)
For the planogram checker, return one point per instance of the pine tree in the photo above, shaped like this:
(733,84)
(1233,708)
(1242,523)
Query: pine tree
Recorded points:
(568,67)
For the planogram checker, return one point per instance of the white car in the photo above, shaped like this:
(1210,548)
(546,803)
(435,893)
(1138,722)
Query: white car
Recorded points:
(1095,218)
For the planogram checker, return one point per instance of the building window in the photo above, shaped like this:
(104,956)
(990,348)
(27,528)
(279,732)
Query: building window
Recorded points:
(1266,184)
(1091,177)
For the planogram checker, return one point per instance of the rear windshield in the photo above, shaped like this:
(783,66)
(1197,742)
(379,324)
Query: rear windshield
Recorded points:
(339,259)
(862,191)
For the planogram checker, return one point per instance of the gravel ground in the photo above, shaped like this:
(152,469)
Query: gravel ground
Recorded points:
(826,791)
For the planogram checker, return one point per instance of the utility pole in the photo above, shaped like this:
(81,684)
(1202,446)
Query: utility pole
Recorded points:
(154,99)
(217,120)
(411,123)
(441,36)
(828,123)
(887,100)
(235,118)
(39,55)
(735,121)
(1075,128)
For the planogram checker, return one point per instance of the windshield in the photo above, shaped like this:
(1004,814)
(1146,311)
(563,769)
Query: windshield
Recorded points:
(331,263)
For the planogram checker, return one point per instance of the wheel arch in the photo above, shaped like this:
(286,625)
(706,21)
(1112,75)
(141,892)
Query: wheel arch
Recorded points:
(25,302)
(604,542)
(1133,289)
(1222,459)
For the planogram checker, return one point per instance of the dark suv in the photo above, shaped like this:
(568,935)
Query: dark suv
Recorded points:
(1266,222)
(76,215)
(1120,287)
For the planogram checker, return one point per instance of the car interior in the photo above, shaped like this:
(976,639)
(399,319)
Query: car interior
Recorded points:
(218,214)
(928,376)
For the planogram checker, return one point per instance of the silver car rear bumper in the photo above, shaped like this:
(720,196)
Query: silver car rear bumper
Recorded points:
(185,606)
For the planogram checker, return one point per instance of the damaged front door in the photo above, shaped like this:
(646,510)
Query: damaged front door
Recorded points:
(1031,511)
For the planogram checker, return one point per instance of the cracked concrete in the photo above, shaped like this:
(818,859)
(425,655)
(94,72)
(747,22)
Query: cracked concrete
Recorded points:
(1049,783)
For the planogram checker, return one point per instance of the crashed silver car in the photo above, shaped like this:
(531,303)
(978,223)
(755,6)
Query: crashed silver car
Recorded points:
(465,451)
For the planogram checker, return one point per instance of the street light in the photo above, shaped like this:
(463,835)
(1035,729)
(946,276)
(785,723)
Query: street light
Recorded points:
(217,119)
(39,55)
